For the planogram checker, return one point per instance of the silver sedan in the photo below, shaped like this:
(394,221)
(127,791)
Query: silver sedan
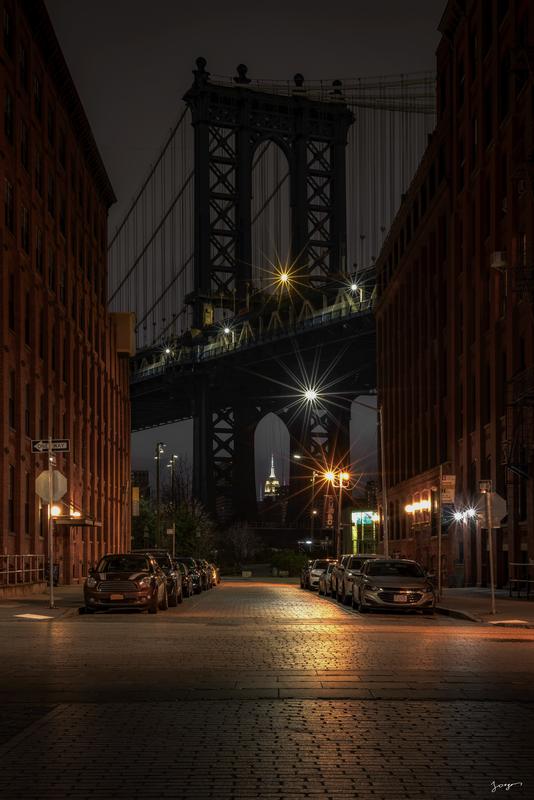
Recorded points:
(393,583)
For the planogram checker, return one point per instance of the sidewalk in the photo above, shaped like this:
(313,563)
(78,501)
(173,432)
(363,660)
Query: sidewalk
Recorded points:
(474,603)
(67,600)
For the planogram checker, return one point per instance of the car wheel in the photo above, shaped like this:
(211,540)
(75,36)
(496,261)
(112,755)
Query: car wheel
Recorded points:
(362,608)
(180,597)
(346,600)
(163,606)
(173,598)
(153,607)
(353,601)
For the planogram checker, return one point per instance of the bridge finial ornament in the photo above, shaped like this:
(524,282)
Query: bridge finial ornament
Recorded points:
(241,76)
(201,74)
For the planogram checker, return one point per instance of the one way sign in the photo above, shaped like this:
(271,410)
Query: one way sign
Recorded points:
(58,445)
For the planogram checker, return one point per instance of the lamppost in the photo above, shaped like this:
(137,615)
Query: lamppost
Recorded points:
(160,449)
(172,466)
(313,512)
(339,480)
(383,471)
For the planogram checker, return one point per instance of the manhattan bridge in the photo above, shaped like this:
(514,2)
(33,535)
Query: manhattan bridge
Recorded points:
(248,258)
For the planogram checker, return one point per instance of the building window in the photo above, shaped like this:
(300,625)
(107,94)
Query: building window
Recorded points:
(39,251)
(42,417)
(62,292)
(42,335)
(27,410)
(52,270)
(8,31)
(51,195)
(27,499)
(62,215)
(504,87)
(461,82)
(23,66)
(25,229)
(11,295)
(51,126)
(24,146)
(39,172)
(9,206)
(62,148)
(11,399)
(27,320)
(8,117)
(11,499)
(37,96)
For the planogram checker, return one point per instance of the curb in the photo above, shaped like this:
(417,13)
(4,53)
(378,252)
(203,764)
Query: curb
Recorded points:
(452,612)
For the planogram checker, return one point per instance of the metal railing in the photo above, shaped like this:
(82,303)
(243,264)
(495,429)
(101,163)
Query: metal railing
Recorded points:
(214,349)
(16,570)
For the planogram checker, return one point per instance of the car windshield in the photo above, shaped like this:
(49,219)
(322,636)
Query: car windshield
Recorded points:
(400,569)
(163,561)
(320,564)
(355,563)
(126,563)
(190,562)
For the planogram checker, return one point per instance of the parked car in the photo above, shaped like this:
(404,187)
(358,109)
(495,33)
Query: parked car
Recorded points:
(126,580)
(217,573)
(174,576)
(325,579)
(305,575)
(317,568)
(194,570)
(337,572)
(187,578)
(214,572)
(393,583)
(348,575)
(206,572)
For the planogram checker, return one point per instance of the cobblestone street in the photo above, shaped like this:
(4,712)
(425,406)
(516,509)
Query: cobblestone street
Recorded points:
(258,690)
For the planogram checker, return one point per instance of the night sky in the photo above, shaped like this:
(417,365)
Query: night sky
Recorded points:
(131,62)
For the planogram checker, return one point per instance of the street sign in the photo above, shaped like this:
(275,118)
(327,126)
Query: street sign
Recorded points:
(59,486)
(499,509)
(58,445)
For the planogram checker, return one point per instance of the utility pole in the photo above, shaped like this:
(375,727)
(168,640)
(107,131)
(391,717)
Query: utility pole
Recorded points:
(312,513)
(50,522)
(439,529)
(160,447)
(384,484)
(485,489)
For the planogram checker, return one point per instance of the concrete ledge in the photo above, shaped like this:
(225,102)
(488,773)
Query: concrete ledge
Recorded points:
(452,612)
(21,590)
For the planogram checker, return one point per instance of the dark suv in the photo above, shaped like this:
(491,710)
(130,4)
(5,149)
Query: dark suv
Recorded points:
(173,576)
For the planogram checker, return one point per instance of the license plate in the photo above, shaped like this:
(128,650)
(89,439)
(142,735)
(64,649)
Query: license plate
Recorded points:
(400,598)
(116,597)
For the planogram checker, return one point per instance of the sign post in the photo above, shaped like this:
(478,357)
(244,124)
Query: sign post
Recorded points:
(53,487)
(485,489)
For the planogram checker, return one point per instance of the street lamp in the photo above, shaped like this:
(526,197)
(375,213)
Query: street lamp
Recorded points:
(313,514)
(339,480)
(160,449)
(172,466)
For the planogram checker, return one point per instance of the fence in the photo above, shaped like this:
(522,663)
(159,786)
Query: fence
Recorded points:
(16,570)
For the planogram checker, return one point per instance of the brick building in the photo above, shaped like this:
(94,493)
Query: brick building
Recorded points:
(62,366)
(455,311)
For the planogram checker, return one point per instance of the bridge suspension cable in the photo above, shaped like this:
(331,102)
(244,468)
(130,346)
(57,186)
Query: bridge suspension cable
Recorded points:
(151,251)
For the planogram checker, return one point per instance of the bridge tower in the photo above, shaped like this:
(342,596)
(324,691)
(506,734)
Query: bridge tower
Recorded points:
(230,122)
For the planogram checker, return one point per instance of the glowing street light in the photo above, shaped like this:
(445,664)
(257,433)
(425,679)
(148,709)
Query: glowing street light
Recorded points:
(311,395)
(227,330)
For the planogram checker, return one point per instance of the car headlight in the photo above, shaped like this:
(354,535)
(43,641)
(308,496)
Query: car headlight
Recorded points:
(91,582)
(428,588)
(372,588)
(144,583)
